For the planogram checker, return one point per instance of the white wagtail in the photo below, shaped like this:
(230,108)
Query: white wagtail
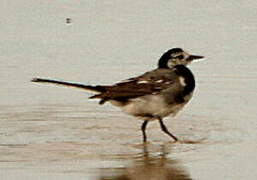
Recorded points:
(152,95)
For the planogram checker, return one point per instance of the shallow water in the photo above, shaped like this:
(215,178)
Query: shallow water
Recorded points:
(49,132)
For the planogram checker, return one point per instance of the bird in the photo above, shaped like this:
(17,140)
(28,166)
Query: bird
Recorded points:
(151,96)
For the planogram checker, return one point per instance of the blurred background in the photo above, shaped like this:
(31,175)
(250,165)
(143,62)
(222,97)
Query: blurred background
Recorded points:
(49,132)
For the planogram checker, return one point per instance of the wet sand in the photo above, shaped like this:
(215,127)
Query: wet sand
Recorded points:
(49,132)
(83,141)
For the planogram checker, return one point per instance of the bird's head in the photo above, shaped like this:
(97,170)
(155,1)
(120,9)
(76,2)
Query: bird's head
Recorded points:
(176,56)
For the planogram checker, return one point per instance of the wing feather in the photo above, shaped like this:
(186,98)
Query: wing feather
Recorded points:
(152,82)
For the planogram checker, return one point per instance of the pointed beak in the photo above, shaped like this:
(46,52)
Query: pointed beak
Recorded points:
(193,57)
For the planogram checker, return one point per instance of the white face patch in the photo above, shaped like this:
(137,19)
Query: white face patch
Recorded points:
(178,58)
(182,81)
(142,82)
(171,64)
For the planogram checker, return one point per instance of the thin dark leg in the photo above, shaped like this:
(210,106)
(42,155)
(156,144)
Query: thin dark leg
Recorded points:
(164,129)
(143,127)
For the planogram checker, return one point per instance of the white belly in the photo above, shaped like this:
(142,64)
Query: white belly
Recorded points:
(149,105)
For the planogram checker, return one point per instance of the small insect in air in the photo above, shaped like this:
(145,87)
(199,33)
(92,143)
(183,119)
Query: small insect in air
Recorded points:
(68,20)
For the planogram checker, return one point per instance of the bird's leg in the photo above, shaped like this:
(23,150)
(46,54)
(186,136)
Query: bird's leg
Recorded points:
(164,129)
(143,127)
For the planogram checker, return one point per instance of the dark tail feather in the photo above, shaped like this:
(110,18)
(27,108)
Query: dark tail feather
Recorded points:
(69,84)
(102,101)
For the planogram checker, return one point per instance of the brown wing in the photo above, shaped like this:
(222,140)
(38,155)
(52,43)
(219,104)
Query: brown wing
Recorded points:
(149,83)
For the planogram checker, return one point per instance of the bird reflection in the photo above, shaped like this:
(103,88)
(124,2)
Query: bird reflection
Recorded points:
(149,166)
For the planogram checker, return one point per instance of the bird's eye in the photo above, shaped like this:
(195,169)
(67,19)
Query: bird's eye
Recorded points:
(180,57)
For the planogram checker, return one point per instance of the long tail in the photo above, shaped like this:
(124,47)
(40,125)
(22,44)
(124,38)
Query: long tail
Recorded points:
(69,84)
